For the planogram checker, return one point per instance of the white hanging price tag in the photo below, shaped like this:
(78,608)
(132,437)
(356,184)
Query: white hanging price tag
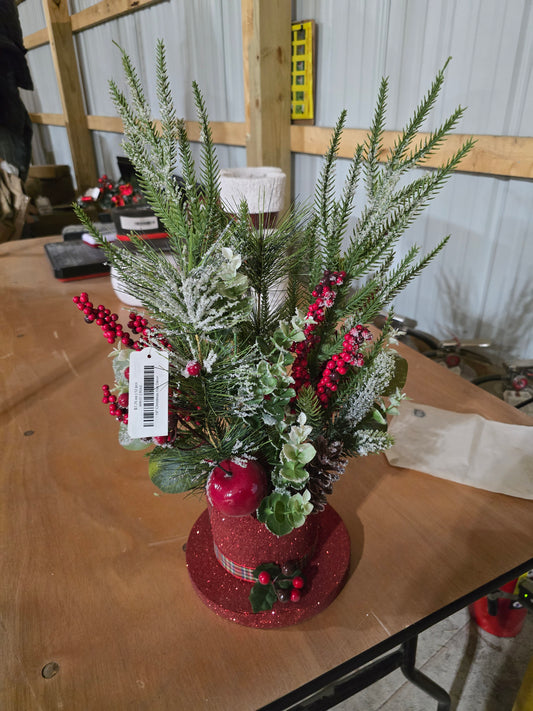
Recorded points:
(148,395)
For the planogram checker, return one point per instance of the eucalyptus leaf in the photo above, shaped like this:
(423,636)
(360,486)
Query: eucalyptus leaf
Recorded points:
(307,453)
(378,417)
(171,474)
(128,442)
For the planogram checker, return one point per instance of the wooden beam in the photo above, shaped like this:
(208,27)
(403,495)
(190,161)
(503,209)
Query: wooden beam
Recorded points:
(510,156)
(267,61)
(48,119)
(91,17)
(112,124)
(37,39)
(68,79)
(247,21)
(223,132)
(106,10)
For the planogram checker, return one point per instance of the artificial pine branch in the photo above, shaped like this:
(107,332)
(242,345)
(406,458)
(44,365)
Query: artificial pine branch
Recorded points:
(165,147)
(313,251)
(374,141)
(214,216)
(421,113)
(435,139)
(324,195)
(402,277)
(346,204)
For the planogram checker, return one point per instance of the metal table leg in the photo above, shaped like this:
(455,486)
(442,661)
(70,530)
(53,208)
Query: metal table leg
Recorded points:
(421,680)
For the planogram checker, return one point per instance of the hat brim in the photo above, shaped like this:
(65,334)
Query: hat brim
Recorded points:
(227,595)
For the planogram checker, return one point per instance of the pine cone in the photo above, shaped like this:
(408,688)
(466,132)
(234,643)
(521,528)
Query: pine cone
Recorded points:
(325,469)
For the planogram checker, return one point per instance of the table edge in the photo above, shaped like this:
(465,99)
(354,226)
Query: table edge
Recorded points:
(319,684)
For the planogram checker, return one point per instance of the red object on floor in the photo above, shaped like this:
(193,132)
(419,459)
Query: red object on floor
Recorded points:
(507,622)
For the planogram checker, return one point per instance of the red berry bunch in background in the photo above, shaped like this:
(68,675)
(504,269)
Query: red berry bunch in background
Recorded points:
(519,382)
(324,294)
(107,321)
(339,363)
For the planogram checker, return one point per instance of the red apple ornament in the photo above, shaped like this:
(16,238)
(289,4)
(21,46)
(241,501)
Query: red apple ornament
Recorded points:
(235,490)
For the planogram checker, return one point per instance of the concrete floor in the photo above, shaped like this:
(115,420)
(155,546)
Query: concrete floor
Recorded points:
(481,672)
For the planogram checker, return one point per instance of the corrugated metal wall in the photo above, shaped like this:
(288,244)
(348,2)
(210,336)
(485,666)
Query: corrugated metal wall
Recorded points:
(203,42)
(481,285)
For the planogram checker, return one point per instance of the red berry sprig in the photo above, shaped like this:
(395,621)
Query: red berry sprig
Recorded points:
(139,324)
(338,364)
(107,321)
(118,406)
(276,583)
(325,294)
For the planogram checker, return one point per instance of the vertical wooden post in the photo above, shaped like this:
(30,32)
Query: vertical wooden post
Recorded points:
(266,32)
(66,67)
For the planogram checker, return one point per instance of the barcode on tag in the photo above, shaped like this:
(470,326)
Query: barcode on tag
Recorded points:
(148,395)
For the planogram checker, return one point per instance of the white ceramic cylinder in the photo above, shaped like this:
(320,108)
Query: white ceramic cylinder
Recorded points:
(262,188)
(120,291)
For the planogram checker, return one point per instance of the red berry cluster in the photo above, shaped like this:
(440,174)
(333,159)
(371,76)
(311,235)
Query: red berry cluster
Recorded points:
(107,321)
(283,594)
(139,324)
(118,406)
(338,364)
(324,295)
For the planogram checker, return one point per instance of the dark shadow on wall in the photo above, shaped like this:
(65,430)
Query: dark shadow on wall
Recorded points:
(508,336)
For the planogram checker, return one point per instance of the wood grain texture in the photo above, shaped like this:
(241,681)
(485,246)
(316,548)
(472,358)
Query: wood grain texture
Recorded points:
(92,566)
(267,59)
(68,79)
(105,11)
(46,119)
(510,156)
(92,16)
(37,39)
(223,132)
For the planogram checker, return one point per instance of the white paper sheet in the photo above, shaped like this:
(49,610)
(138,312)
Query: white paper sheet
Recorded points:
(467,449)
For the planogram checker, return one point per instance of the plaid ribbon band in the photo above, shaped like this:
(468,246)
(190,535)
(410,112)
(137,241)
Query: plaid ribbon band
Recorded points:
(243,572)
(239,571)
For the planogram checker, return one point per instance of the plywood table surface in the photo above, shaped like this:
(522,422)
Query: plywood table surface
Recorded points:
(93,576)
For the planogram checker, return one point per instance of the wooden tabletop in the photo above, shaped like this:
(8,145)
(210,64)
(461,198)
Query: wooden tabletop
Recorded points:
(93,575)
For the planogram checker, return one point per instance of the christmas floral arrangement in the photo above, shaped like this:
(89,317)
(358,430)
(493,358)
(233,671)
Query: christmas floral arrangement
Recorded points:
(274,377)
(109,194)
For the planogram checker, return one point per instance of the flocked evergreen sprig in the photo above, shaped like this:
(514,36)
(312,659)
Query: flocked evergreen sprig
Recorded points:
(270,359)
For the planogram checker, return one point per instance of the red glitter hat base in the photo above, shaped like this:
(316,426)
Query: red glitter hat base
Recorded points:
(227,596)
